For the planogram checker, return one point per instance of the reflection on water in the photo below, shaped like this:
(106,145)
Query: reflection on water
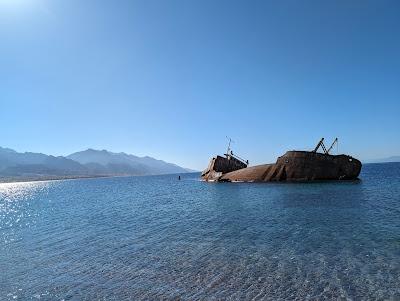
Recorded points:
(150,238)
(16,210)
(20,191)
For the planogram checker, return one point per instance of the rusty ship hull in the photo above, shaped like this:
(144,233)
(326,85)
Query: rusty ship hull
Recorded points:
(292,166)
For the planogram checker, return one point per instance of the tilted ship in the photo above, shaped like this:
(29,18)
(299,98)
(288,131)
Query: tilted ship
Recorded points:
(292,166)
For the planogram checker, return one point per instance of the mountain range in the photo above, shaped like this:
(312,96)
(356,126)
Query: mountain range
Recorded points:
(385,160)
(81,164)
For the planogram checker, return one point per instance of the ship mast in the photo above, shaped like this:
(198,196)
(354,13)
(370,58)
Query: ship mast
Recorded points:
(229,145)
(229,153)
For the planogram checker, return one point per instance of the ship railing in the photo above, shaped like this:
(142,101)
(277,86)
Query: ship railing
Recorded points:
(238,158)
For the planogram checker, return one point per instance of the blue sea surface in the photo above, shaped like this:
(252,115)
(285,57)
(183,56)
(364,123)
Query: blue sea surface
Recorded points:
(157,238)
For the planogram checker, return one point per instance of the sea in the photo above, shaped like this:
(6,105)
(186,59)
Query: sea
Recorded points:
(160,238)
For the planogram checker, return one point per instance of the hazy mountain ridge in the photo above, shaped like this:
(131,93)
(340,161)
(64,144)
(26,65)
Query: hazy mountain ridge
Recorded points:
(147,165)
(385,160)
(85,163)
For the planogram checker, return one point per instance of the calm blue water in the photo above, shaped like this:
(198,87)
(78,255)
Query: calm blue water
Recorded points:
(151,238)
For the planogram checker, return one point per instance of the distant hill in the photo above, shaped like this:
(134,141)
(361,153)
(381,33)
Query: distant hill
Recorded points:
(19,164)
(385,160)
(125,162)
(81,164)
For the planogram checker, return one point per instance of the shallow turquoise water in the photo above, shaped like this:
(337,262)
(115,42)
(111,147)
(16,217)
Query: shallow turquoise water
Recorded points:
(151,238)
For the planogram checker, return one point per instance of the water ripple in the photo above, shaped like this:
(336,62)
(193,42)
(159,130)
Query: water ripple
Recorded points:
(156,238)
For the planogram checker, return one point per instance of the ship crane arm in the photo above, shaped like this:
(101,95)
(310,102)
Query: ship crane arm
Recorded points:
(322,145)
(333,144)
(321,142)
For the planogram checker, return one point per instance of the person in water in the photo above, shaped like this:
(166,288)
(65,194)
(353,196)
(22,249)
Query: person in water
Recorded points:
(179,177)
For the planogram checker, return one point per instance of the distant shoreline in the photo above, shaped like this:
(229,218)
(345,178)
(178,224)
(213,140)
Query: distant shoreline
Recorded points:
(4,180)
(49,178)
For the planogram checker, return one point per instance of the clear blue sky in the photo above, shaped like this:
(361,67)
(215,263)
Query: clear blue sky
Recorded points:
(171,79)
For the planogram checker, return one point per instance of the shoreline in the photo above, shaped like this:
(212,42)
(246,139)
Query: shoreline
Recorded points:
(5,180)
(50,178)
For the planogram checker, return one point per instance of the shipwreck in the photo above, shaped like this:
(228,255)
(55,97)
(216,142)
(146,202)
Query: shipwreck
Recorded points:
(292,166)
